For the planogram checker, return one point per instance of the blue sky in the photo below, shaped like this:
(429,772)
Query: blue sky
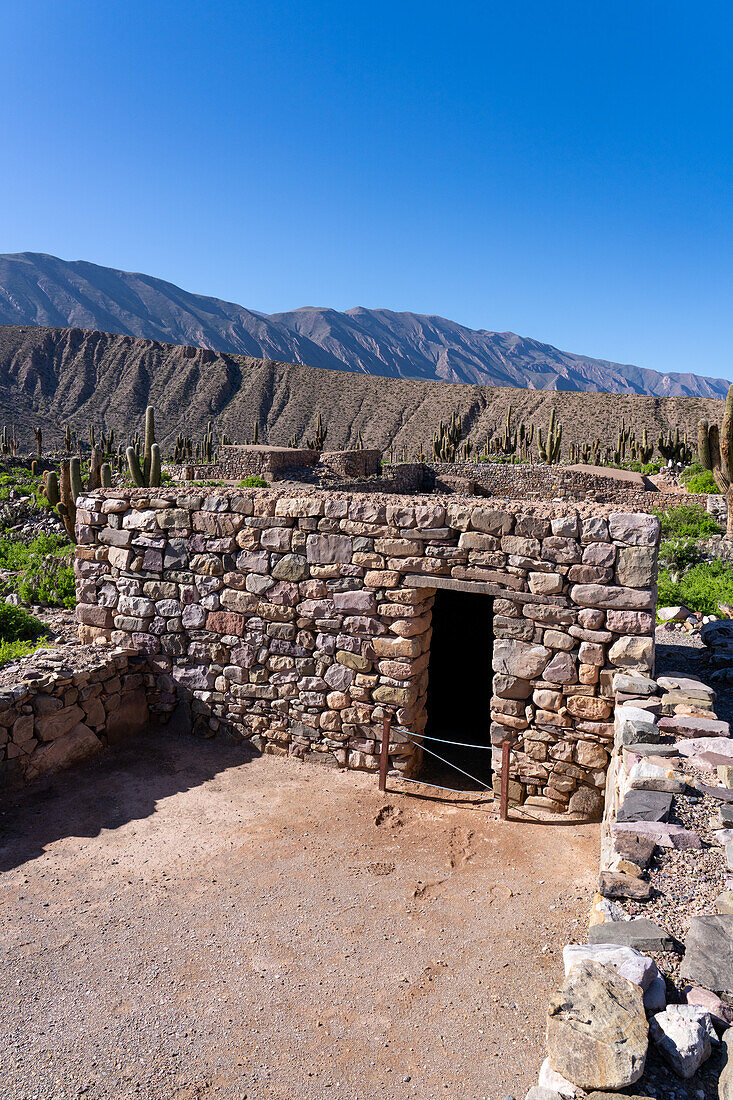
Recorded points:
(561,170)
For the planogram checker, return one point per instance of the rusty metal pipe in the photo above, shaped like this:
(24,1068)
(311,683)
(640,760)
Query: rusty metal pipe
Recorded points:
(384,751)
(504,804)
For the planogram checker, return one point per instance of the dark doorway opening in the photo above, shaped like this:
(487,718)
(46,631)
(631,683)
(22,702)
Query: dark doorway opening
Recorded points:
(459,688)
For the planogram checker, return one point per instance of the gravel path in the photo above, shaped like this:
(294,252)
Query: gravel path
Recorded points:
(177,922)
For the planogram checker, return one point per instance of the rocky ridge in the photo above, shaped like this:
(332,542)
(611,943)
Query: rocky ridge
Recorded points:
(51,376)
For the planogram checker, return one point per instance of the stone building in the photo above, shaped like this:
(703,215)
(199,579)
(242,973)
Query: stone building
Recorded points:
(297,619)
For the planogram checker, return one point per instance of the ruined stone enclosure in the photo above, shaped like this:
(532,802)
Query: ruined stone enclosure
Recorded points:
(296,620)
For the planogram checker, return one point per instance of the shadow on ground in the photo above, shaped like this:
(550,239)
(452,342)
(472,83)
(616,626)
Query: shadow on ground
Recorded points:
(117,787)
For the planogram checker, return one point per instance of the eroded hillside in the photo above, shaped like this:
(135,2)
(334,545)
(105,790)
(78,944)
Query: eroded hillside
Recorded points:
(53,376)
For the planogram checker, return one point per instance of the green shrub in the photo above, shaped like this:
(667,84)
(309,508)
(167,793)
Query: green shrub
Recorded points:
(680,554)
(15,554)
(254,481)
(702,483)
(702,588)
(687,521)
(16,625)
(43,568)
(12,651)
(49,583)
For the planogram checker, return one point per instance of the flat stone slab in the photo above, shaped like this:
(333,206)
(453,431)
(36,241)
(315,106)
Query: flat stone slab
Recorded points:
(616,884)
(626,961)
(721,793)
(724,902)
(645,806)
(712,760)
(636,849)
(698,745)
(636,724)
(647,776)
(687,725)
(663,834)
(688,684)
(642,748)
(708,957)
(725,814)
(641,933)
(631,683)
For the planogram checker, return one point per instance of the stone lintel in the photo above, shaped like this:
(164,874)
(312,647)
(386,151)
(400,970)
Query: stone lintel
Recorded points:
(420,580)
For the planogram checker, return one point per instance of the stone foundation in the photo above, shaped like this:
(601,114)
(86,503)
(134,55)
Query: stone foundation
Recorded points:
(297,620)
(63,708)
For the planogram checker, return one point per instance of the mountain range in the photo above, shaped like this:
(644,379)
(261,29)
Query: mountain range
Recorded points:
(42,290)
(53,376)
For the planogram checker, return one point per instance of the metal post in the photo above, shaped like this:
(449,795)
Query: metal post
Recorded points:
(504,807)
(384,751)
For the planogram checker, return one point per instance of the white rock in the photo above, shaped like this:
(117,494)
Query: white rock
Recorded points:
(551,1079)
(609,911)
(682,1034)
(651,777)
(626,961)
(673,614)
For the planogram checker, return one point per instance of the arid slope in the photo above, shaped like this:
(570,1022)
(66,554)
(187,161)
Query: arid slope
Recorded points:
(53,376)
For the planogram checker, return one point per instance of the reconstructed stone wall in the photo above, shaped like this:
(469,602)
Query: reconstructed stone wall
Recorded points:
(62,708)
(295,620)
(357,463)
(248,460)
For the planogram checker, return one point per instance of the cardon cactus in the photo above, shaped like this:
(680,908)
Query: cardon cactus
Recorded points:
(316,443)
(506,444)
(549,449)
(673,448)
(149,474)
(64,495)
(447,440)
(715,451)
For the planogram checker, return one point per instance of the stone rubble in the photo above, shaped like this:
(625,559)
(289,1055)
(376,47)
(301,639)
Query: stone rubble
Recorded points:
(676,845)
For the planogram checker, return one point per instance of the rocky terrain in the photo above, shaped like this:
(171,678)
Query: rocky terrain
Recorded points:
(37,289)
(49,376)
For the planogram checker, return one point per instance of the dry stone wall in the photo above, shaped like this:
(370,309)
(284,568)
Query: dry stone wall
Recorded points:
(61,708)
(297,620)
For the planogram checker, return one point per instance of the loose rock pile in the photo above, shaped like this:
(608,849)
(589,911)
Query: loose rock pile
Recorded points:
(662,922)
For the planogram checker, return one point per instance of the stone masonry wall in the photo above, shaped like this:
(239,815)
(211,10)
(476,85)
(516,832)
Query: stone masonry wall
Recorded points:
(62,708)
(295,620)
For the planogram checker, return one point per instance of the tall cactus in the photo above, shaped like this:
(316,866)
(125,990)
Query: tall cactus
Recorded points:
(715,451)
(38,432)
(149,474)
(60,495)
(549,450)
(675,449)
(447,440)
(316,443)
(506,444)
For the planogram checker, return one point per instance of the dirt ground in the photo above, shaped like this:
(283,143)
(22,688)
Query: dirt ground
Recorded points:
(180,921)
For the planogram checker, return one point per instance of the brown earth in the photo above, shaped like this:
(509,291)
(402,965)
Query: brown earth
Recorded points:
(181,922)
(52,376)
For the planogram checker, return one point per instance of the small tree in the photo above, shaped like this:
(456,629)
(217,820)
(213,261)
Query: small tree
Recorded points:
(715,451)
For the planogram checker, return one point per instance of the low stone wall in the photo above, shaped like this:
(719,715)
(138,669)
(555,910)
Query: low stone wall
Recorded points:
(296,619)
(62,707)
(235,462)
(363,463)
(614,1001)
